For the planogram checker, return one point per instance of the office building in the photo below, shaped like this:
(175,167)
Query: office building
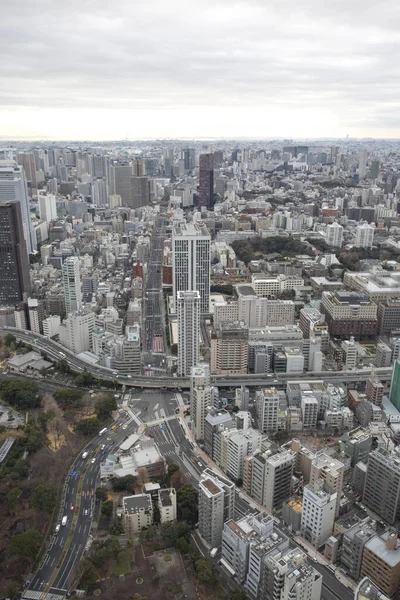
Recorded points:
(137,513)
(72,284)
(14,265)
(394,394)
(51,326)
(356,445)
(383,356)
(191,262)
(278,479)
(239,444)
(267,406)
(188,312)
(77,331)
(374,391)
(121,183)
(353,543)
(27,161)
(331,471)
(309,411)
(206,180)
(216,505)
(229,348)
(318,513)
(364,235)
(36,315)
(167,505)
(349,314)
(287,575)
(381,562)
(334,235)
(127,356)
(138,167)
(269,286)
(13,188)
(200,398)
(388,316)
(382,484)
(140,192)
(47,207)
(362,164)
(215,422)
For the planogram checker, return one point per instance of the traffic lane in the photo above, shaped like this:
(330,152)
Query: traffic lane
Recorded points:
(331,583)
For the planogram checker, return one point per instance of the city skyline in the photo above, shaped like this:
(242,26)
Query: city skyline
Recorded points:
(221,70)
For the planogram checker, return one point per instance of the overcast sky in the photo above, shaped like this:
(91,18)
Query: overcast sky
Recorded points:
(214,68)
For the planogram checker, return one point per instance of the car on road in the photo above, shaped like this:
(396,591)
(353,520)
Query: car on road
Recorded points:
(93,460)
(72,508)
(58,527)
(124,426)
(86,512)
(102,446)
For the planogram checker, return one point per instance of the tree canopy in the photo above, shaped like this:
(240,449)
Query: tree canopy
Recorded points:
(124,484)
(88,426)
(105,406)
(26,544)
(68,396)
(44,498)
(21,394)
(187,504)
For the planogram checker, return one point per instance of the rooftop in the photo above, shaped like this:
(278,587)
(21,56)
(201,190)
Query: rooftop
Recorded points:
(377,545)
(211,486)
(135,504)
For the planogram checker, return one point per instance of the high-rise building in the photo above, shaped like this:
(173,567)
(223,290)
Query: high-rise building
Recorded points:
(200,398)
(36,315)
(27,161)
(354,540)
(188,312)
(382,484)
(13,188)
(394,395)
(362,163)
(364,235)
(334,235)
(388,316)
(189,157)
(267,405)
(374,391)
(191,262)
(216,505)
(72,284)
(47,207)
(350,314)
(331,471)
(77,332)
(14,265)
(278,479)
(206,180)
(229,348)
(140,192)
(381,562)
(120,183)
(138,167)
(318,513)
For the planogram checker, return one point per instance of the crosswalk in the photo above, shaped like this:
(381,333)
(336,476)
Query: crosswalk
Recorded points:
(37,595)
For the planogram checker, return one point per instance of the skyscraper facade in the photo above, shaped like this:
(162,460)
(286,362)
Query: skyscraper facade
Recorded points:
(14,266)
(13,187)
(72,284)
(191,262)
(200,398)
(188,311)
(206,180)
(27,161)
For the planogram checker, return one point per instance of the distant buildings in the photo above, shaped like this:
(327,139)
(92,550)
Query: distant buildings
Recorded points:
(14,266)
(188,312)
(206,180)
(72,284)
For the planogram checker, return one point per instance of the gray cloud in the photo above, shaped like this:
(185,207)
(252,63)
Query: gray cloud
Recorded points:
(342,58)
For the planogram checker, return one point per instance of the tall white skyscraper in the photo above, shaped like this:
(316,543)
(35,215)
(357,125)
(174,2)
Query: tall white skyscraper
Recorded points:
(188,310)
(334,235)
(365,235)
(13,187)
(362,164)
(191,262)
(72,284)
(200,398)
(47,207)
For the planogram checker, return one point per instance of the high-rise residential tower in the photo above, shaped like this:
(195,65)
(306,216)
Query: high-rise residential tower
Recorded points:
(14,266)
(206,180)
(27,161)
(72,284)
(191,262)
(188,311)
(200,398)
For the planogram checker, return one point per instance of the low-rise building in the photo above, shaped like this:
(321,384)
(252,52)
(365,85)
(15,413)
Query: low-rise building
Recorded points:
(137,513)
(167,505)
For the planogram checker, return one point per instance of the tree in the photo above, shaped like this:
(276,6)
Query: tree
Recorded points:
(67,396)
(105,406)
(182,545)
(21,394)
(63,366)
(107,508)
(205,571)
(26,544)
(178,480)
(44,498)
(101,493)
(85,379)
(88,426)
(124,484)
(10,340)
(187,504)
(12,498)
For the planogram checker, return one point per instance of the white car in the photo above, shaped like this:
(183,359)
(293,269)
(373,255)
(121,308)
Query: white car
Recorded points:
(124,426)
(93,460)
